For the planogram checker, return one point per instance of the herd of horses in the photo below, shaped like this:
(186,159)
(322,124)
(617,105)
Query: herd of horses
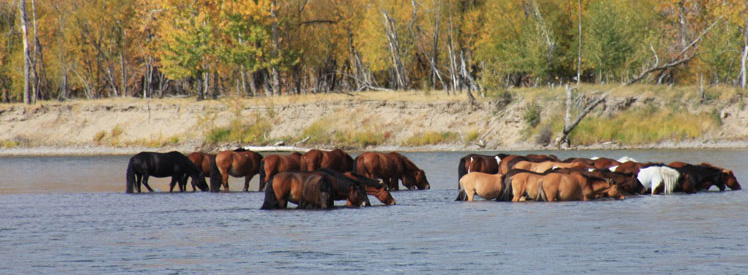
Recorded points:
(314,179)
(546,178)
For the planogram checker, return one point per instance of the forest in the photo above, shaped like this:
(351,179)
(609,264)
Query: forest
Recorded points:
(70,49)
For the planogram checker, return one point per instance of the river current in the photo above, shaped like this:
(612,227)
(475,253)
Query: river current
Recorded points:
(71,215)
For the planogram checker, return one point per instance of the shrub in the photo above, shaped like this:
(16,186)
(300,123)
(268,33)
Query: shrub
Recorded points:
(430,138)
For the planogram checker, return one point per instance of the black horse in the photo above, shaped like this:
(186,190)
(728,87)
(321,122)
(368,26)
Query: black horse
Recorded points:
(172,164)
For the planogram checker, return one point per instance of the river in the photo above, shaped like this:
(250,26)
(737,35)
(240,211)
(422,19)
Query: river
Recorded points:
(71,215)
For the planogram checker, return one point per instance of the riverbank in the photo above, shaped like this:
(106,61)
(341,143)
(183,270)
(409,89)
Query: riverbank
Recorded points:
(644,117)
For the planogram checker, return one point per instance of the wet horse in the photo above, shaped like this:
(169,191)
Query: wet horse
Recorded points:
(627,183)
(543,166)
(411,176)
(306,190)
(237,163)
(521,185)
(172,164)
(478,163)
(391,168)
(705,175)
(202,160)
(373,188)
(656,178)
(576,187)
(273,164)
(337,160)
(487,186)
(346,188)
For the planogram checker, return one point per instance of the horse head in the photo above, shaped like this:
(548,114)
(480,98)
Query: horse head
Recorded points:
(199,181)
(730,179)
(357,196)
(421,181)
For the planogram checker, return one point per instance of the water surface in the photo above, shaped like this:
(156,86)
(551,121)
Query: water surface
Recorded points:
(70,215)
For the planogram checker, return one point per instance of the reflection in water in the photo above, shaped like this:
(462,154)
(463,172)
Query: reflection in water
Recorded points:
(72,216)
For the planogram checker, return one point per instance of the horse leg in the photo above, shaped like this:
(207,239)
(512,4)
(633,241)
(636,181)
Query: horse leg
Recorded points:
(145,182)
(172,183)
(246,183)
(225,181)
(138,179)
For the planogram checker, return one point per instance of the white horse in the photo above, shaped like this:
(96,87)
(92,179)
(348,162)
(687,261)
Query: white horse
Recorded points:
(653,176)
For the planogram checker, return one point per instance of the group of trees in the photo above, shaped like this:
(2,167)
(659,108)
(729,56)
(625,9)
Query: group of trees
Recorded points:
(107,48)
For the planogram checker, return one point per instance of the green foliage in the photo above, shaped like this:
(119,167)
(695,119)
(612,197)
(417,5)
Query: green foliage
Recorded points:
(471,136)
(431,138)
(251,130)
(532,115)
(644,126)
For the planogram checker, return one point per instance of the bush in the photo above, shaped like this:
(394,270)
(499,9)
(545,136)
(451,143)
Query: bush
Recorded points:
(430,138)
(532,115)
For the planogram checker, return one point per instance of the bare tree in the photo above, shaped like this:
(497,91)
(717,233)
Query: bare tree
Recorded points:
(390,27)
(745,50)
(27,62)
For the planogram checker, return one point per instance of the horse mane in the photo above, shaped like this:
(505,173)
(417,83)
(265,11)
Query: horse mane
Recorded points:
(240,149)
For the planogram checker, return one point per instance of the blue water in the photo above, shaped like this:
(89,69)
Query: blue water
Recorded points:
(57,220)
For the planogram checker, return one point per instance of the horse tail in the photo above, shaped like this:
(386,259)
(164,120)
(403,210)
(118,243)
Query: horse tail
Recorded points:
(462,196)
(461,171)
(262,173)
(507,192)
(215,176)
(541,193)
(271,202)
(130,177)
(355,168)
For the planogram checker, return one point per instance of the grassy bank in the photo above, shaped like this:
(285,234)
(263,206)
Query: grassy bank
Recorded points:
(523,117)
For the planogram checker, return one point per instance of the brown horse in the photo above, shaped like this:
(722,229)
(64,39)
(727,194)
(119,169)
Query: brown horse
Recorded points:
(337,160)
(487,186)
(237,163)
(306,190)
(478,163)
(626,182)
(508,162)
(273,164)
(345,188)
(521,185)
(202,160)
(575,187)
(411,176)
(541,167)
(373,188)
(391,168)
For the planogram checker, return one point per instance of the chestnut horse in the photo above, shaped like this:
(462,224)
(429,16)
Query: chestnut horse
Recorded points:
(627,183)
(306,190)
(373,188)
(521,185)
(508,162)
(202,160)
(237,163)
(487,186)
(478,163)
(273,164)
(391,168)
(575,187)
(337,160)
(543,166)
(172,164)
(346,188)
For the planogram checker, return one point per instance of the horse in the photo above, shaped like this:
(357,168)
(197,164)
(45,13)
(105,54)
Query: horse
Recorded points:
(272,164)
(508,162)
(172,164)
(541,167)
(373,188)
(411,176)
(345,188)
(728,176)
(237,163)
(626,182)
(653,177)
(337,160)
(521,185)
(202,160)
(478,163)
(306,190)
(487,186)
(575,187)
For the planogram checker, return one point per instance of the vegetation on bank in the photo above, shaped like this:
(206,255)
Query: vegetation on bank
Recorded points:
(664,113)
